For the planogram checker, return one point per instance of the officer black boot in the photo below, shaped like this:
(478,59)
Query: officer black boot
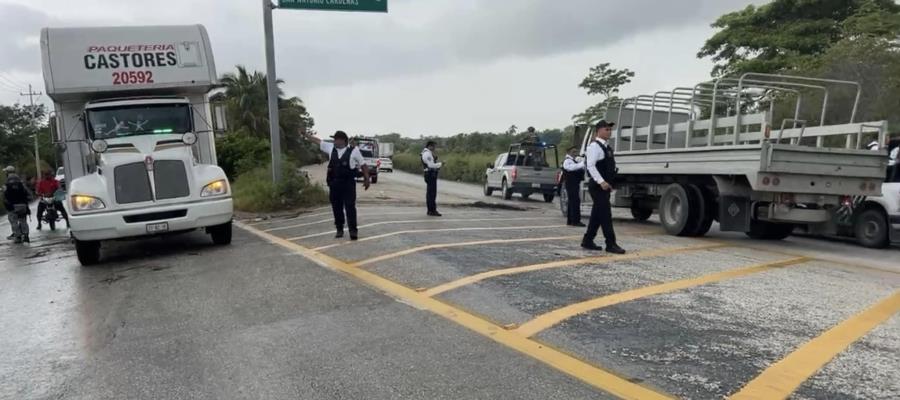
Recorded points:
(339,234)
(354,235)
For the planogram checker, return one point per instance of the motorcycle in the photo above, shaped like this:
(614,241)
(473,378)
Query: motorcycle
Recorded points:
(51,214)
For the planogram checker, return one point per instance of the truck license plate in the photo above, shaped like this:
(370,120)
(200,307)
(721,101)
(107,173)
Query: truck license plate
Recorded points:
(158,227)
(536,185)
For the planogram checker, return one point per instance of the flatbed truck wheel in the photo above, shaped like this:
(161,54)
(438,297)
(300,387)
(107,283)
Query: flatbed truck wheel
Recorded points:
(641,214)
(221,234)
(871,229)
(88,252)
(676,211)
(701,209)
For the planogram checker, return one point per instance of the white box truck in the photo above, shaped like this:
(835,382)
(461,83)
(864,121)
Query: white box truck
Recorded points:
(132,118)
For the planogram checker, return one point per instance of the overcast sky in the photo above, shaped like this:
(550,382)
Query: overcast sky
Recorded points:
(427,67)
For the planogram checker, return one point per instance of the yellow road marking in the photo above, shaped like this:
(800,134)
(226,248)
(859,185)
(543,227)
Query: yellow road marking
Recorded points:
(590,374)
(416,221)
(480,228)
(785,376)
(563,263)
(460,244)
(554,317)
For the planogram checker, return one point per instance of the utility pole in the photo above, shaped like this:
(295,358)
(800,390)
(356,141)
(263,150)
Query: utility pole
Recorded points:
(272,80)
(37,155)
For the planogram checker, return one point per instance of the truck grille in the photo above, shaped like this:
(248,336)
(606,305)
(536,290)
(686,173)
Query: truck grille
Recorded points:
(171,180)
(132,183)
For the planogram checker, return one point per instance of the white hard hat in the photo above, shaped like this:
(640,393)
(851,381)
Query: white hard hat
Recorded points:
(9,169)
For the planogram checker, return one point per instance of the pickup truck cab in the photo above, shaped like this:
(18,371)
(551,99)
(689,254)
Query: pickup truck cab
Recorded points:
(369,150)
(525,169)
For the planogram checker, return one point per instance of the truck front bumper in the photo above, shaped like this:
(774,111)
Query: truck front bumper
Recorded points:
(113,225)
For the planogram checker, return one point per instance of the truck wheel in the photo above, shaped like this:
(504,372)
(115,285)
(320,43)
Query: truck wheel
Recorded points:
(526,195)
(548,197)
(52,223)
(487,189)
(641,214)
(221,234)
(764,230)
(564,202)
(701,211)
(871,229)
(88,252)
(675,210)
(507,193)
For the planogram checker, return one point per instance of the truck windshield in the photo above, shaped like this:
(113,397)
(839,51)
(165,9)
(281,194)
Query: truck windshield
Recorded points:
(145,119)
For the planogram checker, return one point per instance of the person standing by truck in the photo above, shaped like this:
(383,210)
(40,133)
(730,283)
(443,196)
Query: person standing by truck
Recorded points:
(341,179)
(573,176)
(15,200)
(601,165)
(431,167)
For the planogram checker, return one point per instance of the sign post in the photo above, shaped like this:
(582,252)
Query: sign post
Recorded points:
(272,79)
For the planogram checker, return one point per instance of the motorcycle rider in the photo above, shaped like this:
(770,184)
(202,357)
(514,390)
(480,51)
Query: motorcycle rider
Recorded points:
(15,200)
(47,187)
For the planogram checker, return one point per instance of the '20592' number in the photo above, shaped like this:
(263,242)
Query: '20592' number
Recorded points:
(132,77)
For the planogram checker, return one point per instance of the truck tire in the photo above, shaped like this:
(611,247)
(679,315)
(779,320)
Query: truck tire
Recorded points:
(487,189)
(548,197)
(641,214)
(764,230)
(564,202)
(506,191)
(675,210)
(871,229)
(701,206)
(221,234)
(88,252)
(526,195)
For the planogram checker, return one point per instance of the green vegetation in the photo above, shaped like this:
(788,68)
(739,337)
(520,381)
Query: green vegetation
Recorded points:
(255,192)
(18,125)
(605,82)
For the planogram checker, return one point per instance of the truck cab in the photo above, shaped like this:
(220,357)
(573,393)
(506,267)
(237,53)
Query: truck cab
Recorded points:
(132,114)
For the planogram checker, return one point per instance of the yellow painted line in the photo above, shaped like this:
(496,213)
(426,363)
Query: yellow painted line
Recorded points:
(554,317)
(417,221)
(785,376)
(479,228)
(592,375)
(563,263)
(460,244)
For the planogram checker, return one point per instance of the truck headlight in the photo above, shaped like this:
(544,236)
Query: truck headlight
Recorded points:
(85,203)
(216,188)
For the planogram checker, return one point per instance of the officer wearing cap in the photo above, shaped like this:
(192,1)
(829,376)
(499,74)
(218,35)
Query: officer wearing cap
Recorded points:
(431,167)
(341,179)
(601,167)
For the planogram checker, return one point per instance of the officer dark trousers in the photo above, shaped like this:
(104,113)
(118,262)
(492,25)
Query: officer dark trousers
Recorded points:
(573,190)
(342,194)
(601,216)
(431,178)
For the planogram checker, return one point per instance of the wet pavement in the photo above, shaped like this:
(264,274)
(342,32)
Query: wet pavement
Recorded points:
(482,303)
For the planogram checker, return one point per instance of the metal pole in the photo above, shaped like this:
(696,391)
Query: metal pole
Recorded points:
(271,80)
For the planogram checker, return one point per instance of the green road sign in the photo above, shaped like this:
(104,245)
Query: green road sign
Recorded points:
(335,5)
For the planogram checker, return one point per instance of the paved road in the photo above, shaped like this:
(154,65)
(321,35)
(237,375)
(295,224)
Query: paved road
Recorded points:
(482,303)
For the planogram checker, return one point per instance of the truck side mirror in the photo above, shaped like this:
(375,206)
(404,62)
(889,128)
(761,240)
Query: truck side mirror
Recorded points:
(220,123)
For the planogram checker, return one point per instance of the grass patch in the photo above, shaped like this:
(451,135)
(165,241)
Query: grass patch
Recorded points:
(255,192)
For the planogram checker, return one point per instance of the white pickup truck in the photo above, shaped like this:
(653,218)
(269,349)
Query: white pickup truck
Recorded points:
(526,168)
(132,114)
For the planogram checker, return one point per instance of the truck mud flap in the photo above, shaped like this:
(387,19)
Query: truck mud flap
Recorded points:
(734,214)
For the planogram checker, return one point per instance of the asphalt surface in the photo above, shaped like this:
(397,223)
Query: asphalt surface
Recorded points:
(481,303)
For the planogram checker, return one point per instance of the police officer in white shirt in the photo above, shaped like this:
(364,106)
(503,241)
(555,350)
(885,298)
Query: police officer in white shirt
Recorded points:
(573,177)
(431,167)
(601,166)
(341,179)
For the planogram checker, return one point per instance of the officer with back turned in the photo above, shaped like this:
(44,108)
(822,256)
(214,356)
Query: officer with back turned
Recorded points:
(341,179)
(573,177)
(431,167)
(601,166)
